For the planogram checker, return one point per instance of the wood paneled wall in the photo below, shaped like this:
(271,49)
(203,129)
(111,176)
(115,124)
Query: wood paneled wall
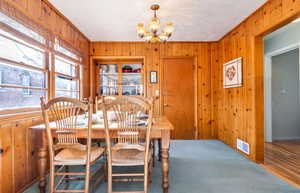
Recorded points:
(18,162)
(238,112)
(153,54)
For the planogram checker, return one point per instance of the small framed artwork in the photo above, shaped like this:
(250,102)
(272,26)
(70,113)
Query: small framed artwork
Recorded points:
(233,73)
(153,77)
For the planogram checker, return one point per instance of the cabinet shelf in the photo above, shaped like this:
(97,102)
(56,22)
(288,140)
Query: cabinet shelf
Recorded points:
(109,73)
(131,73)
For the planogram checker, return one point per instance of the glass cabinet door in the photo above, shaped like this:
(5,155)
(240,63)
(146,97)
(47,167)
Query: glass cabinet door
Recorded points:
(109,79)
(132,79)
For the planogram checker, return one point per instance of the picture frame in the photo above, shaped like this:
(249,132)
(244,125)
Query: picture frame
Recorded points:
(153,77)
(233,73)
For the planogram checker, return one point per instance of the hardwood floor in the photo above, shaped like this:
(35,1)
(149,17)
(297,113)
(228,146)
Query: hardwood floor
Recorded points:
(283,159)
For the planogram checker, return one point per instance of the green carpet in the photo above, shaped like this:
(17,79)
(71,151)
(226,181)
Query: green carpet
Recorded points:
(208,167)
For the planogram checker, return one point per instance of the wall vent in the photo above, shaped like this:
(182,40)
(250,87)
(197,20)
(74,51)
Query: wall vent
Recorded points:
(243,146)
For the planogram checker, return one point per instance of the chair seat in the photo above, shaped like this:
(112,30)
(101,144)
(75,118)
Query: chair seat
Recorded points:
(75,156)
(128,155)
(69,146)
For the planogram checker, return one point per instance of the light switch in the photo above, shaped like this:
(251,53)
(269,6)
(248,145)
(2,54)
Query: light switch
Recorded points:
(283,91)
(157,93)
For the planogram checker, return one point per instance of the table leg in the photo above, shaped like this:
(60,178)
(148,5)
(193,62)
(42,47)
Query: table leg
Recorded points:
(42,168)
(165,144)
(165,170)
(42,161)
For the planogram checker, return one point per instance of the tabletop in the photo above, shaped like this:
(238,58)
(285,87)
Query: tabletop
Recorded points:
(159,123)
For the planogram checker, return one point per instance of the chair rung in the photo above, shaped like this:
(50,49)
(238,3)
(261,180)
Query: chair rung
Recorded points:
(130,192)
(128,180)
(74,179)
(124,175)
(68,191)
(70,174)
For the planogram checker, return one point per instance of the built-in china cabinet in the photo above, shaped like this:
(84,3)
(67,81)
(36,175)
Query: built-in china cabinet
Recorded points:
(120,77)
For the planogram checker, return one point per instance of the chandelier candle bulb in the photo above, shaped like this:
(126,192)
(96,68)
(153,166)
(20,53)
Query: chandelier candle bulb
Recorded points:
(153,34)
(154,25)
(148,37)
(141,30)
(169,29)
(163,37)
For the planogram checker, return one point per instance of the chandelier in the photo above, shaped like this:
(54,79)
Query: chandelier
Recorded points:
(153,35)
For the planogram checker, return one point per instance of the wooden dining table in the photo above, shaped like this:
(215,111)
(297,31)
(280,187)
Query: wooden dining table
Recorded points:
(161,130)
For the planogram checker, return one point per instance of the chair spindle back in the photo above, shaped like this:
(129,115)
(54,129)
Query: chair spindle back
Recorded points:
(68,115)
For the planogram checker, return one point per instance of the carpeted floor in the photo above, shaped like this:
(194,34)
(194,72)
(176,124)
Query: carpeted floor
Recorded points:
(209,167)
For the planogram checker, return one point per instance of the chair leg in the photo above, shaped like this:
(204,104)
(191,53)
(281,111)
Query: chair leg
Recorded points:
(109,179)
(153,153)
(146,182)
(159,149)
(52,178)
(105,170)
(150,174)
(87,179)
(67,176)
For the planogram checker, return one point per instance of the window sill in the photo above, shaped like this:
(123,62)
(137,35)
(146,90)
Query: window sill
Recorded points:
(11,115)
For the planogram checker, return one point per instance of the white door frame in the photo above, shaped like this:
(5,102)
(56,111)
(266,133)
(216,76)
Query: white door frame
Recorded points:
(268,87)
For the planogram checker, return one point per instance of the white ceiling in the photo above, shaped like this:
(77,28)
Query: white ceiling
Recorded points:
(194,20)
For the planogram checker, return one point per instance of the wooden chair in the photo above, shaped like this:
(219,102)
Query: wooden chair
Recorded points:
(64,147)
(125,121)
(150,101)
(99,100)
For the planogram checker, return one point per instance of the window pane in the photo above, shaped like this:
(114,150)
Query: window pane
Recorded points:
(63,83)
(67,94)
(14,51)
(109,79)
(21,28)
(14,75)
(132,79)
(20,98)
(65,67)
(66,52)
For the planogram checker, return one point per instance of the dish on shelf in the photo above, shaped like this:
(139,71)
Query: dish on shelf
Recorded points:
(127,69)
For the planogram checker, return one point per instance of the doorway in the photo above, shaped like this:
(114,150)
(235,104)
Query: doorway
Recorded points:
(282,102)
(179,96)
(282,95)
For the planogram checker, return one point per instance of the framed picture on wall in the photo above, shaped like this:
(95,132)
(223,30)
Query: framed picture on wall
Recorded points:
(153,77)
(233,73)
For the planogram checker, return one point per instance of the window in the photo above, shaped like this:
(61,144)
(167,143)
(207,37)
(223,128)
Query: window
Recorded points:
(23,73)
(66,51)
(26,67)
(67,78)
(21,28)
